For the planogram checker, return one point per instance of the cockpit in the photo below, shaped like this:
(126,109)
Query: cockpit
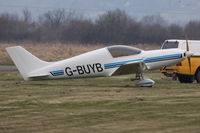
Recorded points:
(121,50)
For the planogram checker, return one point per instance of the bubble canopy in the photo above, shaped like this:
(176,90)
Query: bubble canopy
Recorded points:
(120,51)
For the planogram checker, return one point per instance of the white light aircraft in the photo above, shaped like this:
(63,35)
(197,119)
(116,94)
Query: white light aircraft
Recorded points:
(108,61)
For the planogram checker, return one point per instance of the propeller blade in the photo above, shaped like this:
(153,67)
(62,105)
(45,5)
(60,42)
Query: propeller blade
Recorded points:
(187,45)
(187,48)
(189,61)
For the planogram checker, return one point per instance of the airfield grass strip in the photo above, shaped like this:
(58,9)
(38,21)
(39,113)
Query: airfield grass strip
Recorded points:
(110,105)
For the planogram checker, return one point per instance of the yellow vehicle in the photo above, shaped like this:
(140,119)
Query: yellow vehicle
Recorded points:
(188,70)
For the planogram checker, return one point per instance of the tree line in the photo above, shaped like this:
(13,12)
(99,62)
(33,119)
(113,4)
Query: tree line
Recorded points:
(111,27)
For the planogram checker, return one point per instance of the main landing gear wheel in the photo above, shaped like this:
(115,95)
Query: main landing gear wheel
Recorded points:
(145,83)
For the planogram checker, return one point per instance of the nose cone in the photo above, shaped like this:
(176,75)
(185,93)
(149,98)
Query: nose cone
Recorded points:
(189,53)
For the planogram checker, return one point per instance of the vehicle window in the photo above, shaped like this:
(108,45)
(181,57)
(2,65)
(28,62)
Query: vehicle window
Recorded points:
(119,51)
(169,45)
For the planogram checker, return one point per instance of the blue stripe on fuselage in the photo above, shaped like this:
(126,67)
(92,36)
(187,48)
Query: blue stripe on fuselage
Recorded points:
(162,58)
(57,72)
(148,60)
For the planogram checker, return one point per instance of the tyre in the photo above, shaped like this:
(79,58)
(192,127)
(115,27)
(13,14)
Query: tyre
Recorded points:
(186,78)
(198,76)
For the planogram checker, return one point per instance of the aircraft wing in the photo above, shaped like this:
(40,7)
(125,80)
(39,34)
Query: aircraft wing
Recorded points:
(128,69)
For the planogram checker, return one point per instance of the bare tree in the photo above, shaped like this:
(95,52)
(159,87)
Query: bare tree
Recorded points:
(153,19)
(53,19)
(175,32)
(27,16)
(112,26)
(192,29)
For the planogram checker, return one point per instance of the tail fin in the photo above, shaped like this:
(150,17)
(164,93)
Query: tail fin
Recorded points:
(25,61)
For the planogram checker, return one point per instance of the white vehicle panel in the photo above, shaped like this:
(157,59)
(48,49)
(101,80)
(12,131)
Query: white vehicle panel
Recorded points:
(194,45)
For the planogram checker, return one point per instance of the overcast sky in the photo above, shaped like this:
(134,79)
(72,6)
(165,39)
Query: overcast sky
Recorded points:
(176,11)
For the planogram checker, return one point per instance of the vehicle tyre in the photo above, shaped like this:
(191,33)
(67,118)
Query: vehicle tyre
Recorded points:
(185,79)
(198,76)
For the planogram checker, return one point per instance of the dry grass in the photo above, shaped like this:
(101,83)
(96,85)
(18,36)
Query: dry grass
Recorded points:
(54,52)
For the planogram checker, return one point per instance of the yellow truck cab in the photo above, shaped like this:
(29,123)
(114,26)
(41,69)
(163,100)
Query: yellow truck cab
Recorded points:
(182,70)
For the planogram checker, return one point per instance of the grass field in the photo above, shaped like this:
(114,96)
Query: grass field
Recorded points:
(104,105)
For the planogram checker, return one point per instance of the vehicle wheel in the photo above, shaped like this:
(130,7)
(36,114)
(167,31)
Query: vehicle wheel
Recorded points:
(198,76)
(185,79)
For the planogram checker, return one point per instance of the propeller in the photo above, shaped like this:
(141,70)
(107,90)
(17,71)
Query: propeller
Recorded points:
(187,48)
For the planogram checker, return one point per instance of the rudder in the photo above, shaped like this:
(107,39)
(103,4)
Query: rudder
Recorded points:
(25,61)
